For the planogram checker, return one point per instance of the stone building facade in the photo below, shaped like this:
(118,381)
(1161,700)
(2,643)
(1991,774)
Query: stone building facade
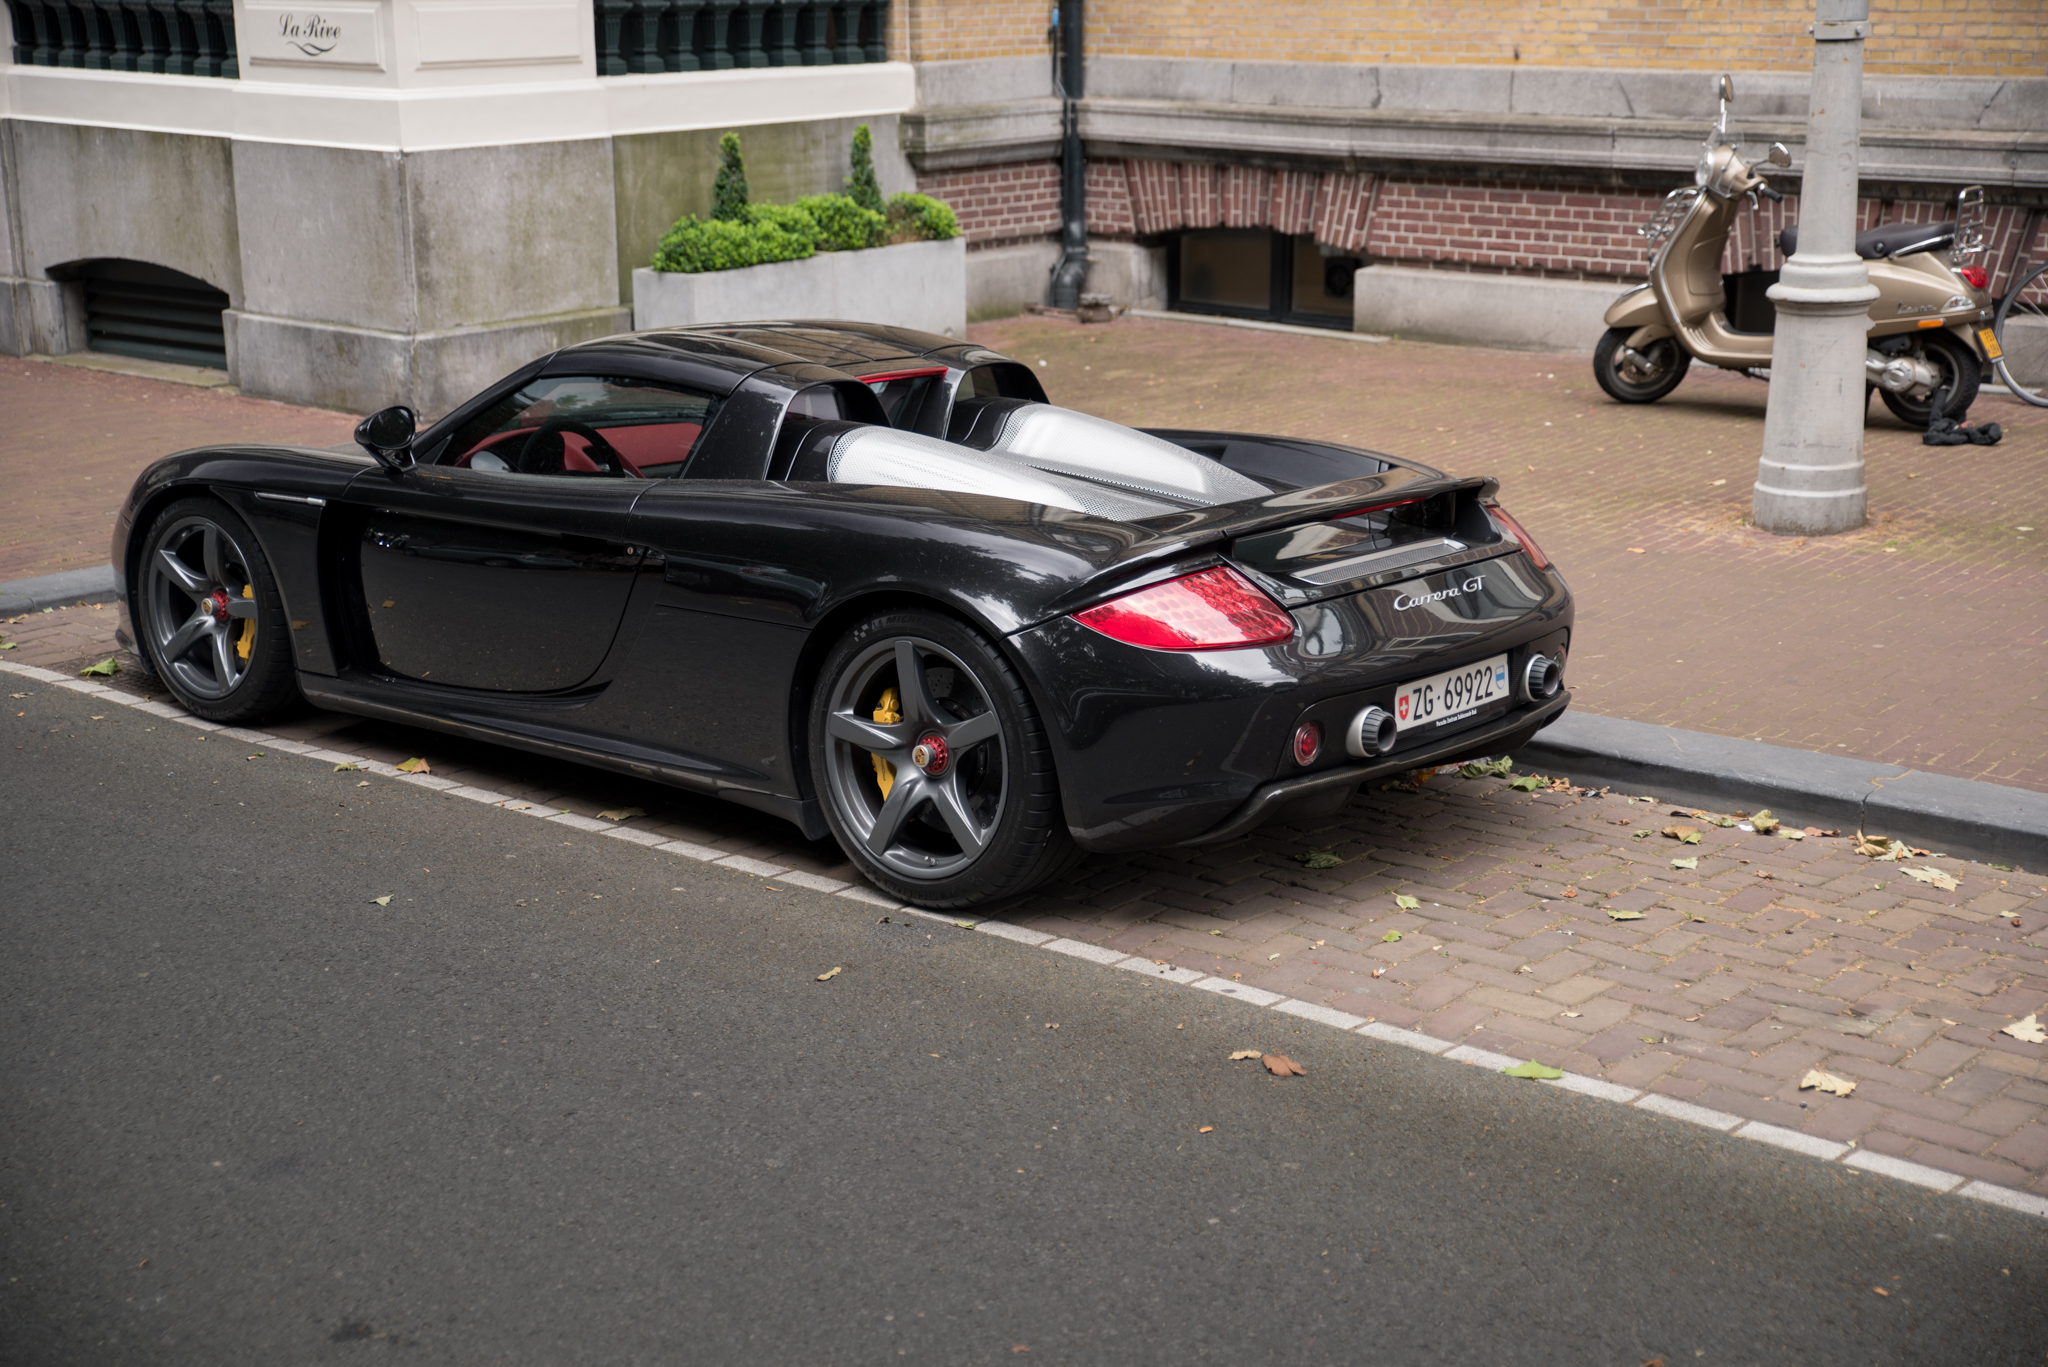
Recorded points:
(398,200)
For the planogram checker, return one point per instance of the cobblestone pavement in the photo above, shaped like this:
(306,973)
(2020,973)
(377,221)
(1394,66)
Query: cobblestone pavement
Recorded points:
(1916,641)
(1551,924)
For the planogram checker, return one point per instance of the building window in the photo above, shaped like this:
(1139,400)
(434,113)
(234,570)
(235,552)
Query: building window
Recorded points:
(1258,273)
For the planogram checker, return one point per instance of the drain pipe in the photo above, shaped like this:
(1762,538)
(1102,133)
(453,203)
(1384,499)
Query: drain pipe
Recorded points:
(1068,82)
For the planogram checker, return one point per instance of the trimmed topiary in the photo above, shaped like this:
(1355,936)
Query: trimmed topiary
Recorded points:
(862,187)
(729,191)
(714,244)
(920,218)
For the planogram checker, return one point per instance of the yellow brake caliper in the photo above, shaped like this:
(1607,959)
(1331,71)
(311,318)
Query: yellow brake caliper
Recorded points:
(248,635)
(888,712)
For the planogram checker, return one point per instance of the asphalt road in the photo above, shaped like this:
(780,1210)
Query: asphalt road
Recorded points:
(566,1100)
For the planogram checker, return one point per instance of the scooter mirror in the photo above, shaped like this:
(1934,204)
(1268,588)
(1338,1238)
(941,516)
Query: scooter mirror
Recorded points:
(1727,89)
(1779,156)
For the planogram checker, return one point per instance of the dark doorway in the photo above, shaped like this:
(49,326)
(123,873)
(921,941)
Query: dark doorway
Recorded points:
(1258,273)
(152,312)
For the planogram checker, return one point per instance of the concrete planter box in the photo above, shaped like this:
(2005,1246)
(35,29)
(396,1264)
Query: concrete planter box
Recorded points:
(921,285)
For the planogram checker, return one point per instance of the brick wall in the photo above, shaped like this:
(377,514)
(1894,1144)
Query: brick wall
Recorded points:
(1509,227)
(998,204)
(1908,37)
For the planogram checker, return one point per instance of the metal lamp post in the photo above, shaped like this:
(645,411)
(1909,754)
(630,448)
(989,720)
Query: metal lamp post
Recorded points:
(1809,480)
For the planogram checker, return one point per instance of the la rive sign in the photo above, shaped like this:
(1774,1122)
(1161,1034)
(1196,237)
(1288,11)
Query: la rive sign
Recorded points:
(333,35)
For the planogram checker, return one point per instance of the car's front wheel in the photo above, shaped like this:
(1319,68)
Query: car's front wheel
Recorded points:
(931,763)
(208,614)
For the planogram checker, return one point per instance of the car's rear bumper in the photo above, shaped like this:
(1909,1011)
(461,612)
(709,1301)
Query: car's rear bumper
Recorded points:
(1503,733)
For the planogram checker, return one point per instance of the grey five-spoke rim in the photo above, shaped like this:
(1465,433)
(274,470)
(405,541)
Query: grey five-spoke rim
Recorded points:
(193,608)
(946,799)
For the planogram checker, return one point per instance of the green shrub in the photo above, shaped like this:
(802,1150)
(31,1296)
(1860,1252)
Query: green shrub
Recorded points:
(920,218)
(843,226)
(861,186)
(770,232)
(729,191)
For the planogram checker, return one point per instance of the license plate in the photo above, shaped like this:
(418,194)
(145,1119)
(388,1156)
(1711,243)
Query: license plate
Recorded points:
(1452,695)
(1992,351)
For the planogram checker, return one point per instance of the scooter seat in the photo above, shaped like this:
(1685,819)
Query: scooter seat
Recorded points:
(1886,239)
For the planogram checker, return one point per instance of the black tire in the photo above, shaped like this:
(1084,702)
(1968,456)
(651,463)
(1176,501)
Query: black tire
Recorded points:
(1955,362)
(1629,381)
(981,823)
(208,618)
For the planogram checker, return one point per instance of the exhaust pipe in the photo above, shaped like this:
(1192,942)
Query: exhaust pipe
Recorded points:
(1542,678)
(1372,732)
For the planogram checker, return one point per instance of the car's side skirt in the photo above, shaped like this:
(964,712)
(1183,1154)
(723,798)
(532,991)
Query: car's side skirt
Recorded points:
(803,813)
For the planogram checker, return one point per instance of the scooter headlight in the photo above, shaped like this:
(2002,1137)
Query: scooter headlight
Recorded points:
(1705,169)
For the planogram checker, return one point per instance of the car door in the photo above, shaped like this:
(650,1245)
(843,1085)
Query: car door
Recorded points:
(504,564)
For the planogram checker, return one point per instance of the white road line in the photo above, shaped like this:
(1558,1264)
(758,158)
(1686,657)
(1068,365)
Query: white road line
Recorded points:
(1825,1150)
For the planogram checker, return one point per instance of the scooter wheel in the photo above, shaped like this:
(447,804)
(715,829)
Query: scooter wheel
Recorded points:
(1644,375)
(1961,374)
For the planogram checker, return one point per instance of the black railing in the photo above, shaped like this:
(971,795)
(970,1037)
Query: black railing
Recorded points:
(172,37)
(718,35)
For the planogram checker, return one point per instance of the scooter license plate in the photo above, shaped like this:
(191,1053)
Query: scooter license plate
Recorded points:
(1452,696)
(1992,350)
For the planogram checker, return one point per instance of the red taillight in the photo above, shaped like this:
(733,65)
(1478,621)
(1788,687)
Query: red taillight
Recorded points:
(1376,508)
(1976,277)
(1213,610)
(1529,546)
(1308,743)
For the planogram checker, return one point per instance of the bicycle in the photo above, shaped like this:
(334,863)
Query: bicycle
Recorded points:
(2025,304)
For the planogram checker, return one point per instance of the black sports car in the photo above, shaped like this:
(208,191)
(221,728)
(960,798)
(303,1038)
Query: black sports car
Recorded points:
(869,580)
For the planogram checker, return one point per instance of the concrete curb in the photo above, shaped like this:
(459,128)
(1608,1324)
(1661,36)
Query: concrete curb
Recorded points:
(57,590)
(1984,821)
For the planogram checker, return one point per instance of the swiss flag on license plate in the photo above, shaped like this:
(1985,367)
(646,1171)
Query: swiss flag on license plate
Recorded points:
(1401,707)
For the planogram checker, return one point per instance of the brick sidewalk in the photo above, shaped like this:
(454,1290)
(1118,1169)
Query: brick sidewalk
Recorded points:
(1732,980)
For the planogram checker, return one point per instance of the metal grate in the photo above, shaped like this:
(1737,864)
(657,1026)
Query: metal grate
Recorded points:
(646,36)
(133,309)
(168,37)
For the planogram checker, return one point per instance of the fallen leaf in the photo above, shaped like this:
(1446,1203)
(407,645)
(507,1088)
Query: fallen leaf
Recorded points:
(1206,1129)
(364,784)
(1617,914)
(381,901)
(969,925)
(105,669)
(1816,1080)
(1787,833)
(1390,937)
(1937,877)
(1684,834)
(1405,902)
(2028,1030)
(1527,783)
(1763,822)
(1272,956)
(1881,1291)
(1244,1054)
(1638,550)
(1533,1069)
(1571,1015)
(1282,1066)
(1691,863)
(1215,932)
(1496,768)
(1722,821)
(1319,859)
(822,977)
(622,813)
(415,765)
(1643,835)
(1570,891)
(1379,972)
(350,767)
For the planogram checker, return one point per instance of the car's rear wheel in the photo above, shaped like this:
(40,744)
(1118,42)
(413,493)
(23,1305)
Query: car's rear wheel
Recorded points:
(1957,370)
(208,614)
(1642,375)
(932,766)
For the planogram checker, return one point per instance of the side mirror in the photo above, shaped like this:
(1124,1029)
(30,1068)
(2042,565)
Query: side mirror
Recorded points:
(1727,89)
(1779,156)
(387,434)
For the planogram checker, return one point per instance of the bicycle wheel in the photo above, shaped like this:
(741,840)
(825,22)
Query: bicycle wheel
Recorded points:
(2021,327)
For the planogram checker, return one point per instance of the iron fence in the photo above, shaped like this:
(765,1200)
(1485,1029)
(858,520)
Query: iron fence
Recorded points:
(644,36)
(172,37)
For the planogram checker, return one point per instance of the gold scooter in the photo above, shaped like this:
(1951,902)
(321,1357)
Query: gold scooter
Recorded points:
(1931,319)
